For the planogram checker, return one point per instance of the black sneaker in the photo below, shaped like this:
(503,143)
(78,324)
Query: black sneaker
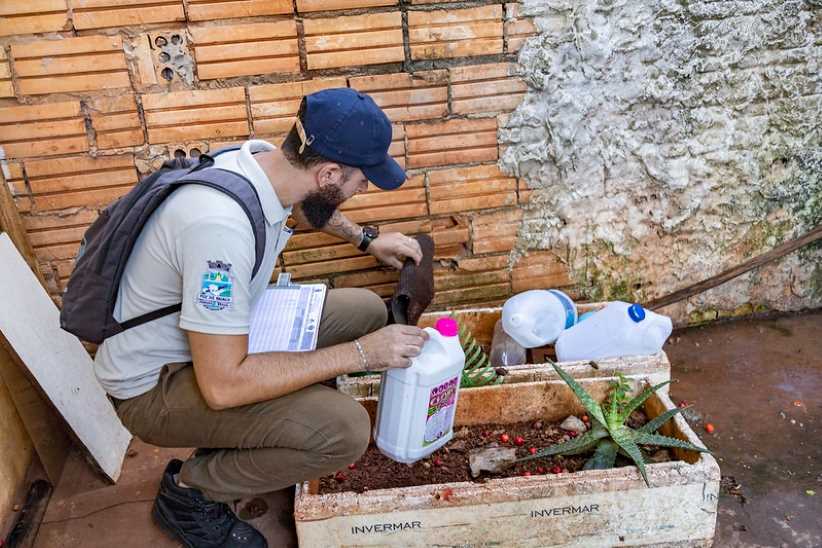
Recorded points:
(198,522)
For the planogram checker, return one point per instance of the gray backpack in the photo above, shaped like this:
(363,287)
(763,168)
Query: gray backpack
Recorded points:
(88,303)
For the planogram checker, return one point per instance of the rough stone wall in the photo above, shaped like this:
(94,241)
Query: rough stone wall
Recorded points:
(669,140)
(95,93)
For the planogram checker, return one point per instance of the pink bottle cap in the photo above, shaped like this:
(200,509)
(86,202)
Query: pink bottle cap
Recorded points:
(447,327)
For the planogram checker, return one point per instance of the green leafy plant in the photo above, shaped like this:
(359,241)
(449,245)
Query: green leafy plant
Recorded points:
(478,369)
(608,434)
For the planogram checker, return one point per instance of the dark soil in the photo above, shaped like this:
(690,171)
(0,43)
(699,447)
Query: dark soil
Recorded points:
(450,464)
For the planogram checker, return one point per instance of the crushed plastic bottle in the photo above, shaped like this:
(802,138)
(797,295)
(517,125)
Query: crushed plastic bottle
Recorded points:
(535,318)
(505,350)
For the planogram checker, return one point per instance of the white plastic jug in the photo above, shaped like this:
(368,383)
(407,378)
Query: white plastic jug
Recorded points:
(537,317)
(619,329)
(415,412)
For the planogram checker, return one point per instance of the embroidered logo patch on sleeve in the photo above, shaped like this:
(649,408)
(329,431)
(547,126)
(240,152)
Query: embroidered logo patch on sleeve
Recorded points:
(215,289)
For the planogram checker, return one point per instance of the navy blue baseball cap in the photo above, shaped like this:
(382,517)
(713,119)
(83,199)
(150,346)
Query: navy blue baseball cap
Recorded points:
(347,126)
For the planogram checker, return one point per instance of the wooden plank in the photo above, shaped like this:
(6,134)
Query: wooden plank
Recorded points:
(58,362)
(17,450)
(43,424)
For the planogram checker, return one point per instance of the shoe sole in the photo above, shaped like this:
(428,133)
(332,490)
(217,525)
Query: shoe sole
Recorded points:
(167,528)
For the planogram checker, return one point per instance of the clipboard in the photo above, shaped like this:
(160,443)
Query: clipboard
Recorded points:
(286,318)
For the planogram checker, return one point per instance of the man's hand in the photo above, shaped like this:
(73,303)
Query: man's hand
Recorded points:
(393,248)
(393,346)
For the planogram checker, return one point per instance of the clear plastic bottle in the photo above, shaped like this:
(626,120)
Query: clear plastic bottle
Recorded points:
(415,412)
(505,351)
(536,317)
(619,329)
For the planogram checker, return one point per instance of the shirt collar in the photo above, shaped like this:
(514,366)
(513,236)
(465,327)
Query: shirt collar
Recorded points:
(272,208)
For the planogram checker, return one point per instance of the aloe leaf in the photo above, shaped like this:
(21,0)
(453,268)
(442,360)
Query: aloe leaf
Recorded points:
(624,438)
(604,457)
(666,441)
(653,425)
(639,400)
(573,446)
(590,404)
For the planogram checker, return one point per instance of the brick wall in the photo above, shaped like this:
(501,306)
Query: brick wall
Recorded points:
(95,93)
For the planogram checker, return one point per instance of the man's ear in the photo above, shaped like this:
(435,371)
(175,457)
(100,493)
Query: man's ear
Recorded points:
(329,173)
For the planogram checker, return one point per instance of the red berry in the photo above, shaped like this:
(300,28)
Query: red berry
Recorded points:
(519,440)
(585,418)
(339,476)
(540,470)
(352,466)
(683,404)
(437,461)
(504,438)
(709,428)
(446,494)
(526,473)
(556,469)
(573,433)
(532,450)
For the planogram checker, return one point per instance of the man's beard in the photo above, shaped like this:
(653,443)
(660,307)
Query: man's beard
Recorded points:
(319,206)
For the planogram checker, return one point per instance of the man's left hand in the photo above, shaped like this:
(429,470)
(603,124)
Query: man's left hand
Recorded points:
(393,248)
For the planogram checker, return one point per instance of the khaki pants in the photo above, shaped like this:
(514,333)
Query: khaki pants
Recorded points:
(269,445)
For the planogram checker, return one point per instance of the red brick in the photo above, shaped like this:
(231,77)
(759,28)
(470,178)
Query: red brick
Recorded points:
(310,270)
(98,14)
(524,192)
(42,130)
(397,148)
(381,205)
(468,188)
(6,87)
(452,142)
(116,122)
(326,253)
(330,5)
(226,51)
(201,114)
(354,40)
(481,264)
(274,106)
(78,181)
(479,294)
(540,270)
(70,65)
(517,28)
(208,10)
(36,222)
(486,88)
(455,33)
(32,16)
(495,232)
(419,96)
(365,279)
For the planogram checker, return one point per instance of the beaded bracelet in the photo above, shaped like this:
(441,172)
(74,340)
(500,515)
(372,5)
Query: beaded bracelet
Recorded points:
(363,359)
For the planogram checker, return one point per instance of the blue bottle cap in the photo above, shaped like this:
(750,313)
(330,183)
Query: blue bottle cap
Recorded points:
(636,312)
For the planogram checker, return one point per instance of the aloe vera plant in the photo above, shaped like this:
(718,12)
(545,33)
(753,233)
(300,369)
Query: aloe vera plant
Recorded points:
(478,370)
(608,434)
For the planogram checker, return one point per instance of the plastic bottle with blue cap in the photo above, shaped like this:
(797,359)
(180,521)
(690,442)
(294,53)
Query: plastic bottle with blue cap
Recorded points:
(620,329)
(536,317)
(415,412)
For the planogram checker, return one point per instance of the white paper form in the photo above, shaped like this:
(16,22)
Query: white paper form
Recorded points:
(287,318)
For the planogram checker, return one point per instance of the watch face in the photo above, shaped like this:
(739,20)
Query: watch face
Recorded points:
(371,231)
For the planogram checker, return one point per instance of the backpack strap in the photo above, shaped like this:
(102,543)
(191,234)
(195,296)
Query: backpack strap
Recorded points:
(238,188)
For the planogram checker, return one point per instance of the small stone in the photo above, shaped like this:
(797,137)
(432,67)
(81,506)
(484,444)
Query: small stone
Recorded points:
(660,456)
(458,446)
(16,508)
(573,424)
(537,425)
(462,433)
(491,459)
(426,464)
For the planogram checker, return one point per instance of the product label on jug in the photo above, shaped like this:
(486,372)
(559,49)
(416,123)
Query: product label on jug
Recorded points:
(440,410)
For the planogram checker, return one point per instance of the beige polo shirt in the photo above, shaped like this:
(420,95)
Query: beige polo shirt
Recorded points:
(197,248)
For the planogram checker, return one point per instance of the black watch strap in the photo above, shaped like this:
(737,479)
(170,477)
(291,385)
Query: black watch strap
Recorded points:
(369,233)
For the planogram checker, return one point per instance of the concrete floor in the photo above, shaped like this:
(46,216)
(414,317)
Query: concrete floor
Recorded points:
(757,381)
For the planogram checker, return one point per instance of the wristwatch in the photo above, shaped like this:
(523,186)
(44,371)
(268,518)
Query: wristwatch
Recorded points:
(369,233)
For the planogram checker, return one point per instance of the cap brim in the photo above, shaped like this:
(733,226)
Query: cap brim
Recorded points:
(388,175)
